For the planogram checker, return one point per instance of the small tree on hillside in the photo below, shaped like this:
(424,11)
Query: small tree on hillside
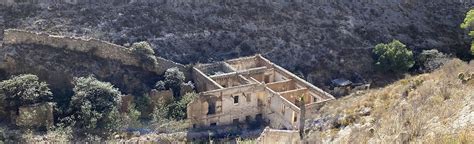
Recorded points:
(174,110)
(178,109)
(468,24)
(145,51)
(95,106)
(393,56)
(23,90)
(173,79)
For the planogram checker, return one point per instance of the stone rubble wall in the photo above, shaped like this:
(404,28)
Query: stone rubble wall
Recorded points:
(91,46)
(273,136)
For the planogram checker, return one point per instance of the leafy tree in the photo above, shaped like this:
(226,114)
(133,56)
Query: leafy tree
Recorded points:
(173,110)
(144,105)
(468,24)
(160,114)
(95,106)
(24,90)
(132,117)
(144,51)
(173,79)
(393,56)
(178,109)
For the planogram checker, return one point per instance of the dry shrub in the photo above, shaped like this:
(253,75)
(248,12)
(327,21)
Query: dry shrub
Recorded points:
(431,101)
(465,136)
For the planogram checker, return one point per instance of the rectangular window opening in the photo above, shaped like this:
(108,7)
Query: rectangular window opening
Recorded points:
(236,99)
(235,121)
(211,109)
(259,117)
(213,124)
(248,118)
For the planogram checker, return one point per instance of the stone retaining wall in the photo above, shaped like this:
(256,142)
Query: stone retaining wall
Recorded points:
(90,46)
(273,136)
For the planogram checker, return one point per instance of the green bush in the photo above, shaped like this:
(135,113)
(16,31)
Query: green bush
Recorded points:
(95,107)
(160,114)
(160,85)
(178,108)
(173,80)
(429,60)
(132,117)
(393,56)
(143,104)
(175,110)
(468,24)
(23,90)
(144,51)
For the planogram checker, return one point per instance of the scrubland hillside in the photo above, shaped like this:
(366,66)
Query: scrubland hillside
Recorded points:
(436,107)
(320,40)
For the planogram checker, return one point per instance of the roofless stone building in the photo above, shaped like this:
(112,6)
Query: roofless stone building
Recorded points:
(236,91)
(250,89)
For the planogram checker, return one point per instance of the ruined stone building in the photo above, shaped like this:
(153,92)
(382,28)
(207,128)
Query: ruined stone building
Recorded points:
(250,89)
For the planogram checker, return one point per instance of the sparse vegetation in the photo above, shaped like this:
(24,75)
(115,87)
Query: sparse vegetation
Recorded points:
(393,56)
(416,109)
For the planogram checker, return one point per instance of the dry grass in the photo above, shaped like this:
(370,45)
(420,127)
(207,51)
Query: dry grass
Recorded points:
(416,109)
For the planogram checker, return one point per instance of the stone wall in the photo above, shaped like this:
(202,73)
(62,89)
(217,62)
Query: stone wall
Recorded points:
(283,112)
(203,83)
(226,111)
(90,46)
(272,136)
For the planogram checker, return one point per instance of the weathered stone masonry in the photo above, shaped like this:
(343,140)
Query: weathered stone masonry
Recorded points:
(92,46)
(231,92)
(250,89)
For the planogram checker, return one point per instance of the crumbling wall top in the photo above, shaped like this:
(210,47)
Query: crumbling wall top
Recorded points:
(101,49)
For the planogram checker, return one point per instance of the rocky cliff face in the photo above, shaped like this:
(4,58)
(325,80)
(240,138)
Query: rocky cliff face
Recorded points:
(319,40)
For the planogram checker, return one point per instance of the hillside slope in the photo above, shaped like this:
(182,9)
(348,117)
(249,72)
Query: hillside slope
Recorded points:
(433,108)
(319,40)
